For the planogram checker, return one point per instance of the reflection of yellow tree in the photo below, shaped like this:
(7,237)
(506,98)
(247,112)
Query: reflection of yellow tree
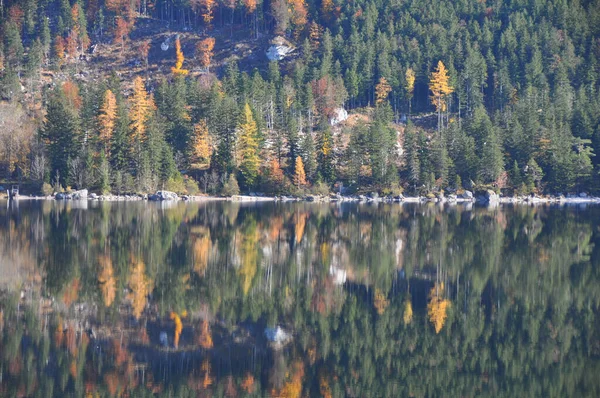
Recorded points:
(202,247)
(205,337)
(106,279)
(139,285)
(380,301)
(248,383)
(408,312)
(249,257)
(293,386)
(178,328)
(437,307)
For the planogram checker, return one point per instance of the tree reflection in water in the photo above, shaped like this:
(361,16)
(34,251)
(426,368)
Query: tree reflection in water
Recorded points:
(383,300)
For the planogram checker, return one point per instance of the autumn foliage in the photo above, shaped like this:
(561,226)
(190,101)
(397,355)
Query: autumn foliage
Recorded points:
(299,174)
(205,338)
(178,328)
(107,118)
(204,51)
(177,69)
(437,307)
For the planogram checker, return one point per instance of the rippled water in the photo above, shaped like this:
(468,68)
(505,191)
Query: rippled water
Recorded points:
(136,299)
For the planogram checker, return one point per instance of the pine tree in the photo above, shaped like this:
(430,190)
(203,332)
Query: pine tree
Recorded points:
(61,134)
(247,148)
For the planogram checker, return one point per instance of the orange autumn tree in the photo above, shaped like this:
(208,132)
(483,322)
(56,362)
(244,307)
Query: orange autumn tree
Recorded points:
(122,29)
(299,16)
(141,107)
(201,145)
(299,174)
(293,385)
(204,51)
(382,90)
(107,118)
(250,6)
(59,49)
(437,307)
(176,70)
(439,85)
(144,49)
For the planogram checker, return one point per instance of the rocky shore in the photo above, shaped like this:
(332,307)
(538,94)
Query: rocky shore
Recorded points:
(485,197)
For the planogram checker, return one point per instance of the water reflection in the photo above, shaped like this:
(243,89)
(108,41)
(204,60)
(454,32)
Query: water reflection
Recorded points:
(380,300)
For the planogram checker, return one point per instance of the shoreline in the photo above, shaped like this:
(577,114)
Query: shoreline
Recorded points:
(361,199)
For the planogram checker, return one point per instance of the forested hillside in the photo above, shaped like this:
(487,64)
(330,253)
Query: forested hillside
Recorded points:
(137,95)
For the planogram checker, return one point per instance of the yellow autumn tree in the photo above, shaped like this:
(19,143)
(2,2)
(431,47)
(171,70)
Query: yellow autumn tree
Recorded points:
(141,106)
(107,118)
(248,147)
(299,173)
(382,90)
(408,312)
(177,69)
(139,287)
(292,388)
(437,307)
(410,85)
(106,279)
(439,85)
(178,328)
(201,145)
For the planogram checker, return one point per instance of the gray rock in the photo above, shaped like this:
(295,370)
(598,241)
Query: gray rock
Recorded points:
(373,195)
(466,195)
(583,195)
(488,197)
(164,339)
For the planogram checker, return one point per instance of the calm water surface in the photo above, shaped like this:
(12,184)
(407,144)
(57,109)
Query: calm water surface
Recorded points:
(143,299)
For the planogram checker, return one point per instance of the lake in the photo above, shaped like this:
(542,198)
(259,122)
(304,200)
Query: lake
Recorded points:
(298,299)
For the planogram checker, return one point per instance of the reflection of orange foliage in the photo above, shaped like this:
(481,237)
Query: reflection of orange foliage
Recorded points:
(106,278)
(71,293)
(437,307)
(380,301)
(230,390)
(112,383)
(205,338)
(300,224)
(249,255)
(59,335)
(73,369)
(248,383)
(293,386)
(324,387)
(119,354)
(139,285)
(178,328)
(207,378)
(71,340)
(202,247)
(275,227)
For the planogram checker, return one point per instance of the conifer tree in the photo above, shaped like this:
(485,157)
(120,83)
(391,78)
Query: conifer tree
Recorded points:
(177,69)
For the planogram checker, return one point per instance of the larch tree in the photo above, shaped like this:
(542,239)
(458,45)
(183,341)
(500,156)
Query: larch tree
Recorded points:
(410,86)
(247,148)
(106,119)
(437,307)
(139,112)
(177,69)
(201,145)
(382,90)
(122,28)
(299,173)
(439,85)
(204,51)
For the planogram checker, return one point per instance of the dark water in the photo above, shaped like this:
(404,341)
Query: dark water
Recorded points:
(378,301)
